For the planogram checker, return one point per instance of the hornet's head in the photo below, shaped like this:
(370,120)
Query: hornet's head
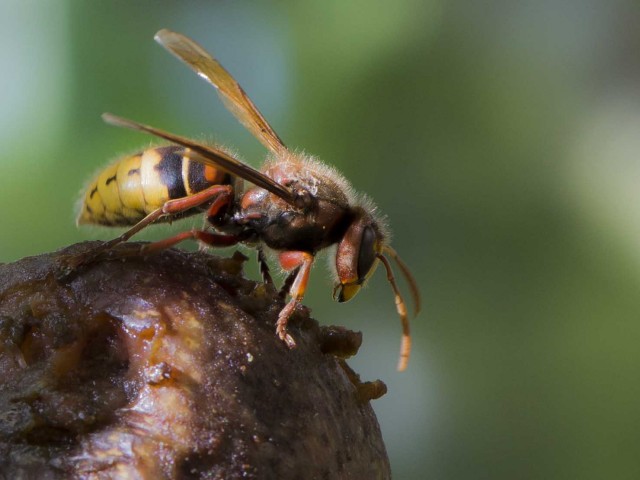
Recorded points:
(359,252)
(357,256)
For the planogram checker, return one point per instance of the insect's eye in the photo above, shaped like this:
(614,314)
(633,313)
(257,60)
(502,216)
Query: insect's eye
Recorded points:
(367,253)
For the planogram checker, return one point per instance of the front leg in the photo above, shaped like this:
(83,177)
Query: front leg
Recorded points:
(291,261)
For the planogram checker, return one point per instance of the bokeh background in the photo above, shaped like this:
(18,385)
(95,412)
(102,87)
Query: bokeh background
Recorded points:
(501,138)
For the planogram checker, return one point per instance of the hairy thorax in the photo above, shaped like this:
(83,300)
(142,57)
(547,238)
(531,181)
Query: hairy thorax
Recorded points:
(283,227)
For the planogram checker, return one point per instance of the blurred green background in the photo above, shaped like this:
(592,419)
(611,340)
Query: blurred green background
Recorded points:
(501,138)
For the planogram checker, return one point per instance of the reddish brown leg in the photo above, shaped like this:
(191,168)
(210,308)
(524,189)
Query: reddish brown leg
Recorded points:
(212,239)
(179,205)
(290,261)
(220,193)
(219,203)
(286,285)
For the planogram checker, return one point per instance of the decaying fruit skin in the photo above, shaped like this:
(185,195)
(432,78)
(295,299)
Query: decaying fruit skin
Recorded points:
(168,367)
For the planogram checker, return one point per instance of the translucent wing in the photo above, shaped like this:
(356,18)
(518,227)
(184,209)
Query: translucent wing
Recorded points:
(210,156)
(232,94)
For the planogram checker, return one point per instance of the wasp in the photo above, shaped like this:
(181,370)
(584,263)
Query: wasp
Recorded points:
(295,205)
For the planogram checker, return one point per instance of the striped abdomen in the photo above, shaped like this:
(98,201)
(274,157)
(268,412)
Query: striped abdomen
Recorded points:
(132,187)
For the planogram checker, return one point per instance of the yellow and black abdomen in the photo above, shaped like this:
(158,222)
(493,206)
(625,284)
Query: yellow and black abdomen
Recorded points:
(134,186)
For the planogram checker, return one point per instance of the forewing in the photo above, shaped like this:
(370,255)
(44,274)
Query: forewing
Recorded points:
(210,156)
(232,94)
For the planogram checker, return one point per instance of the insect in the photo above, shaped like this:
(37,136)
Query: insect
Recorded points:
(295,206)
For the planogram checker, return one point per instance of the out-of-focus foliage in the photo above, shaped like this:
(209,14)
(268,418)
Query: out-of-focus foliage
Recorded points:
(502,140)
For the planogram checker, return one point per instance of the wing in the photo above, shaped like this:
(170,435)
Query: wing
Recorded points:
(231,93)
(210,156)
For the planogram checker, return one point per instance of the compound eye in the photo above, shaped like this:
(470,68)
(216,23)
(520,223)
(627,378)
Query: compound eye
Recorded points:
(367,254)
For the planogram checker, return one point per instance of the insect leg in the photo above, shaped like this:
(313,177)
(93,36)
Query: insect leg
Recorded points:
(172,207)
(286,285)
(212,239)
(221,193)
(291,261)
(264,267)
